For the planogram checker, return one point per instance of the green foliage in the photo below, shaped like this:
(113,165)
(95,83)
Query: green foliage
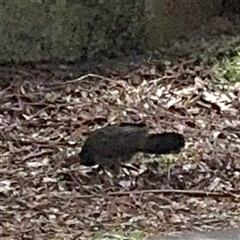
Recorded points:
(229,68)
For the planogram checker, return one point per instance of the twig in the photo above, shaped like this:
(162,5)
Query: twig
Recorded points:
(195,193)
(33,155)
(81,79)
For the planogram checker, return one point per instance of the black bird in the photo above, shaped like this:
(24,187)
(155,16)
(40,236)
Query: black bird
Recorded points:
(112,145)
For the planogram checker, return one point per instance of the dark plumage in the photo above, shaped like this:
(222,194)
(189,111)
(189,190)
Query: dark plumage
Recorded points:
(163,143)
(112,145)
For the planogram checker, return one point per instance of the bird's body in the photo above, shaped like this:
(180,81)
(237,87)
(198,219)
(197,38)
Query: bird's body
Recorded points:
(112,145)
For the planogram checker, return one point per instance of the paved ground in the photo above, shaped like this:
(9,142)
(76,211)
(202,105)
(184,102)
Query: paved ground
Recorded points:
(230,234)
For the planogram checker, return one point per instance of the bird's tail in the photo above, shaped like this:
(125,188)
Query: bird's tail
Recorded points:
(163,143)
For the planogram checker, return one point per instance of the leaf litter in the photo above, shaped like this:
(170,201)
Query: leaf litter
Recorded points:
(42,123)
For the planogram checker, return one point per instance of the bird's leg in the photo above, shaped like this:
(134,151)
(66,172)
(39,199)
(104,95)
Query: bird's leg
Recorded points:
(114,169)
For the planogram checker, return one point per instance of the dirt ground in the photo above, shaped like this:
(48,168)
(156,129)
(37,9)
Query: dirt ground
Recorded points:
(48,109)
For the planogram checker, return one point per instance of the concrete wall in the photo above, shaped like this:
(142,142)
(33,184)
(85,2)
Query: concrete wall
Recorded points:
(175,18)
(77,30)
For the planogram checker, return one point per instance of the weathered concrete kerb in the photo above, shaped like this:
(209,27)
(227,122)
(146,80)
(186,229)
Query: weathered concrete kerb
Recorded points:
(229,234)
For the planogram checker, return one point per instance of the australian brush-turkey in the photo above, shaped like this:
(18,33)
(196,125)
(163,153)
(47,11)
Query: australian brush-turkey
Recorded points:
(112,145)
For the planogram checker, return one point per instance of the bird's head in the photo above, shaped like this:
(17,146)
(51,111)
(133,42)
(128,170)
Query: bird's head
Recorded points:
(86,158)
